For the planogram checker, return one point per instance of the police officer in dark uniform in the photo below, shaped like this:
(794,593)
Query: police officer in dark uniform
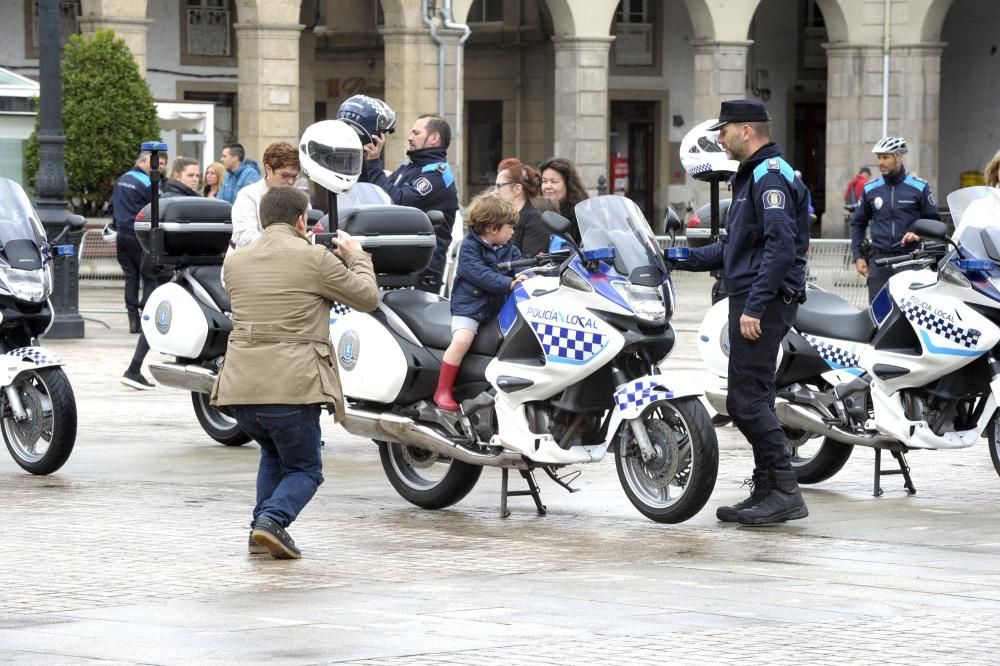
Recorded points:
(763,259)
(425,182)
(893,203)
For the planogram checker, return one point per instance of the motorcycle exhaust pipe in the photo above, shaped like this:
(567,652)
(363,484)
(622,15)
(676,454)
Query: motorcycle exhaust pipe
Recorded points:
(403,430)
(801,418)
(192,378)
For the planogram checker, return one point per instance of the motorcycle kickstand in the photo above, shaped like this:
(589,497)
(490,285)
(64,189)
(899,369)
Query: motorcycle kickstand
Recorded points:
(904,469)
(565,479)
(532,490)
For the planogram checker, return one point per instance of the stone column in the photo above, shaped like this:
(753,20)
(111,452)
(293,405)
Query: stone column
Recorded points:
(915,83)
(126,17)
(581,105)
(268,93)
(853,122)
(720,73)
(307,83)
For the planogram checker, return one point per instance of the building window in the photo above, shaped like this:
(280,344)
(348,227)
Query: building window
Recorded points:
(69,24)
(813,36)
(486,11)
(634,39)
(485,141)
(208,28)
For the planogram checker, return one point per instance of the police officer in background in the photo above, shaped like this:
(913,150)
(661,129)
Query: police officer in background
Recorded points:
(425,182)
(763,259)
(892,203)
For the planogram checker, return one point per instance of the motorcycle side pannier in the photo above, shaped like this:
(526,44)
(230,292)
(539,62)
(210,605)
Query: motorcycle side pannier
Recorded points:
(400,239)
(192,226)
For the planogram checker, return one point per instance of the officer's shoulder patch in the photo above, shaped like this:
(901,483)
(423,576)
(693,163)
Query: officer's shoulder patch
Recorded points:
(931,200)
(773,165)
(773,199)
(442,166)
(422,186)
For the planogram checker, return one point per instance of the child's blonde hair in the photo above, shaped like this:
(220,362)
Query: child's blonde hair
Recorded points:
(488,210)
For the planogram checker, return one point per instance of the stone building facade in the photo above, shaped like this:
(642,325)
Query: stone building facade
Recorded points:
(612,85)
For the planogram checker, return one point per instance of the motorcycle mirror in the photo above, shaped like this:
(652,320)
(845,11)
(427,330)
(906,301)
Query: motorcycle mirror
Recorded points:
(556,223)
(934,229)
(671,222)
(75,221)
(436,217)
(314,215)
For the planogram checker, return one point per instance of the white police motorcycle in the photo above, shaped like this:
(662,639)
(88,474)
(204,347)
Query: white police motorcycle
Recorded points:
(919,369)
(567,372)
(37,406)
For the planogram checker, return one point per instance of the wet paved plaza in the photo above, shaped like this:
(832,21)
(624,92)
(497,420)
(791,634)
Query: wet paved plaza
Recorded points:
(135,552)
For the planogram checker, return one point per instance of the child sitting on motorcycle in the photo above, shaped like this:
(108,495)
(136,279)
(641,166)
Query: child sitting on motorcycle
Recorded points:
(480,288)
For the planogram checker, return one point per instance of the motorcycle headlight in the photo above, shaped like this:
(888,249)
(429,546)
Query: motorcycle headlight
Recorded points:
(33,286)
(646,302)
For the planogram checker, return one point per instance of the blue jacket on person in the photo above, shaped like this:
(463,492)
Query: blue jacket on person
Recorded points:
(131,193)
(480,288)
(764,251)
(425,182)
(248,173)
(892,203)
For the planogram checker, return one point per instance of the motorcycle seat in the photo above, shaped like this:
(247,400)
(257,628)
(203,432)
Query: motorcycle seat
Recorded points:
(210,277)
(429,317)
(830,316)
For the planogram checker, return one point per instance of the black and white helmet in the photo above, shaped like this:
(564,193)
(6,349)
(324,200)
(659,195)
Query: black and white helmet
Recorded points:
(702,156)
(368,116)
(895,145)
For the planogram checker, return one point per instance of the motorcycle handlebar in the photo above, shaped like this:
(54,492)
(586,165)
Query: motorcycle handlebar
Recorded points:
(531,262)
(891,261)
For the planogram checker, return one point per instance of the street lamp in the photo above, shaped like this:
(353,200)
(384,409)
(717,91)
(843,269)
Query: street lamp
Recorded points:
(50,184)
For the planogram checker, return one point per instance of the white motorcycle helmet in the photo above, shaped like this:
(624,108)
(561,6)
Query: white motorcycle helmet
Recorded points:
(702,156)
(330,155)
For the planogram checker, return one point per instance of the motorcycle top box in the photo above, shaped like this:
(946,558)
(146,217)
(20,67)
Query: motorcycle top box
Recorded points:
(400,239)
(192,226)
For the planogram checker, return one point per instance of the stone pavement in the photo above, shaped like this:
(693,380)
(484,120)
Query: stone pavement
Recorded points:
(135,553)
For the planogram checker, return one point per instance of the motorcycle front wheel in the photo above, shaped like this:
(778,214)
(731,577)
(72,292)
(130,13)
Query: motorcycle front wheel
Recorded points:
(428,480)
(217,424)
(42,441)
(678,482)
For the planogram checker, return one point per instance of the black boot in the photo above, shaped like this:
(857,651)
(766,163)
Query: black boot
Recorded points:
(783,502)
(133,322)
(760,486)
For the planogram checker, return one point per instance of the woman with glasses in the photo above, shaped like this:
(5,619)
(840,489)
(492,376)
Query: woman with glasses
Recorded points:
(281,167)
(519,184)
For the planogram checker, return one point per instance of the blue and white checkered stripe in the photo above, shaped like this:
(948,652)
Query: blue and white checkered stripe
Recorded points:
(929,321)
(836,356)
(633,397)
(338,310)
(36,355)
(568,345)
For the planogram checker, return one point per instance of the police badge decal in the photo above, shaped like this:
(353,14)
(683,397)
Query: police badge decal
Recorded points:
(774,199)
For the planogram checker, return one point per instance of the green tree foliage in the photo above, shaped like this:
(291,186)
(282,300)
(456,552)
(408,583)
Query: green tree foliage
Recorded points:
(107,112)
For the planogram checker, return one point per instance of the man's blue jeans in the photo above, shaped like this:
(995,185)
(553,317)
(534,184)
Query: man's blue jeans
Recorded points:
(291,467)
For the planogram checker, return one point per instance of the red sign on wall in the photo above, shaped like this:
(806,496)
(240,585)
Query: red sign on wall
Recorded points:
(619,174)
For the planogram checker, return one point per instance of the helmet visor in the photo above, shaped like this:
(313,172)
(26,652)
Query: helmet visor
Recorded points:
(341,161)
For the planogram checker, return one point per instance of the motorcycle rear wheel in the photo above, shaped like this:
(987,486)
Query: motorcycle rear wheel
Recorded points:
(828,459)
(425,479)
(679,427)
(216,423)
(42,442)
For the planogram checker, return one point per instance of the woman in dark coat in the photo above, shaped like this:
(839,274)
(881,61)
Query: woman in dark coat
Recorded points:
(562,185)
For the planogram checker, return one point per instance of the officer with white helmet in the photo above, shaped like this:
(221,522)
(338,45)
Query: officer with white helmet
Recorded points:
(892,203)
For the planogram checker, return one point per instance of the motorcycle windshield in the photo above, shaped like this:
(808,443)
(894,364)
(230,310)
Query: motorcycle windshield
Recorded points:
(614,221)
(976,213)
(18,220)
(365,193)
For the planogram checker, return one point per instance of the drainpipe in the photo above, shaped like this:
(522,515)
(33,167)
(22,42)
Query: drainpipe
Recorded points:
(429,22)
(446,19)
(886,25)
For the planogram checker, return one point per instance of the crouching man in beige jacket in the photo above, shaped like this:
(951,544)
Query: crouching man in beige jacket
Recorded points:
(279,369)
